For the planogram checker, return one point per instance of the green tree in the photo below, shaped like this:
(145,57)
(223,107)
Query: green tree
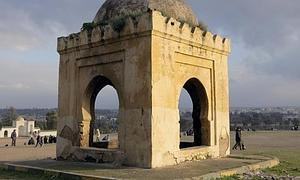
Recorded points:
(41,124)
(296,122)
(9,116)
(51,118)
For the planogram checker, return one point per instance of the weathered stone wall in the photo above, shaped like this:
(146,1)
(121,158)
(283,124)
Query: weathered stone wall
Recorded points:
(147,62)
(180,53)
(125,60)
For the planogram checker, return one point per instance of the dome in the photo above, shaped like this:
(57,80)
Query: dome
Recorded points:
(20,118)
(177,9)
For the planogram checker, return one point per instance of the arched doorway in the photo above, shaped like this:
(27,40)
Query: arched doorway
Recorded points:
(193,106)
(101,105)
(5,134)
(106,118)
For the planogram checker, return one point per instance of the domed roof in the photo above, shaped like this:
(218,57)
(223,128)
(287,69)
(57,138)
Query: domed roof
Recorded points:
(20,118)
(177,9)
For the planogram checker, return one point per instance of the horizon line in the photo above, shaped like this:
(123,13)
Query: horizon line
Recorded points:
(44,108)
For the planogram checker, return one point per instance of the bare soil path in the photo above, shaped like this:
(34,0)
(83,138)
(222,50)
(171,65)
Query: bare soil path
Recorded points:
(24,152)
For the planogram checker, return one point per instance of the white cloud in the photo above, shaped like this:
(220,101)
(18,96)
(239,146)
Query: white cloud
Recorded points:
(16,86)
(28,76)
(25,84)
(21,32)
(28,57)
(264,65)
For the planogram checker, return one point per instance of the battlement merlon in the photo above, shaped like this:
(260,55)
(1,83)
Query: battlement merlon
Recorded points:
(152,22)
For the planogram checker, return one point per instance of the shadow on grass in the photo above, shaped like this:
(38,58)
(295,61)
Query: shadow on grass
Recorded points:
(7,174)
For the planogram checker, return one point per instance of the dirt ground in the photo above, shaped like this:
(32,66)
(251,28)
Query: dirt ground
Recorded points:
(283,144)
(24,153)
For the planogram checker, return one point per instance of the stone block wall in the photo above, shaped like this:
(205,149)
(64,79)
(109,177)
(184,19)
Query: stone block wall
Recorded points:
(148,62)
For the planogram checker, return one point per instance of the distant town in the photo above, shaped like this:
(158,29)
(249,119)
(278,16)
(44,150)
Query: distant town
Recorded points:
(265,118)
(249,118)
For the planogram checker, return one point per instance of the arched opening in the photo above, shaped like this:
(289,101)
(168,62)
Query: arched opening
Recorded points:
(194,124)
(101,115)
(106,118)
(5,134)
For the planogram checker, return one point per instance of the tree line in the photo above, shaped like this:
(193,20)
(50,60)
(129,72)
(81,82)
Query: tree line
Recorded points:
(11,115)
(266,120)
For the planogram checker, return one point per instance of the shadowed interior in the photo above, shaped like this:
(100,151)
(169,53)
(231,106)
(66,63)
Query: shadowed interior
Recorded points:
(201,129)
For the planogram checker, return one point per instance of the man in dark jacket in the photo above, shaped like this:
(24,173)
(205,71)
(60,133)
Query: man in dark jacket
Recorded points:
(238,139)
(39,140)
(13,138)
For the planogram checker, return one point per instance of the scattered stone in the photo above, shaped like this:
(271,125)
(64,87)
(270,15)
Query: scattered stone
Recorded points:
(265,176)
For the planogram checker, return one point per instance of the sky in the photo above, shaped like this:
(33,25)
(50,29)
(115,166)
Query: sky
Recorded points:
(264,66)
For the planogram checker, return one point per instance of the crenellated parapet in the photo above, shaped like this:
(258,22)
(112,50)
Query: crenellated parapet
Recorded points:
(169,27)
(113,31)
(149,23)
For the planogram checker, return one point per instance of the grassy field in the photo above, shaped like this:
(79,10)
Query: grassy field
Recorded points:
(282,144)
(4,174)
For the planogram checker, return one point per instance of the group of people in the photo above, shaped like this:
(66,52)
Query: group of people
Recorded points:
(35,139)
(38,140)
(189,132)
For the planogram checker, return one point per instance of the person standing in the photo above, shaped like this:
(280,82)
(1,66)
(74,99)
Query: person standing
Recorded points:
(45,140)
(13,138)
(98,135)
(39,140)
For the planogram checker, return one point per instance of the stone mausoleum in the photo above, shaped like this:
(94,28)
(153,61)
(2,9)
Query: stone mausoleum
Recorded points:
(148,50)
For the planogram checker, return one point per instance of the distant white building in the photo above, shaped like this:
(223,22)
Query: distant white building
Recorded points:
(24,128)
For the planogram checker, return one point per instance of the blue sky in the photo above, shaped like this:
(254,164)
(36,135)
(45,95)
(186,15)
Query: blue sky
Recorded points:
(264,64)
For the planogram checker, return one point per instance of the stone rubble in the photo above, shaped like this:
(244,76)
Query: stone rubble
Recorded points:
(265,176)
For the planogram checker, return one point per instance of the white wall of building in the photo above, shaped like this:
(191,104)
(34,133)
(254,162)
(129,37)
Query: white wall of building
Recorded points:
(5,132)
(24,129)
(48,133)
